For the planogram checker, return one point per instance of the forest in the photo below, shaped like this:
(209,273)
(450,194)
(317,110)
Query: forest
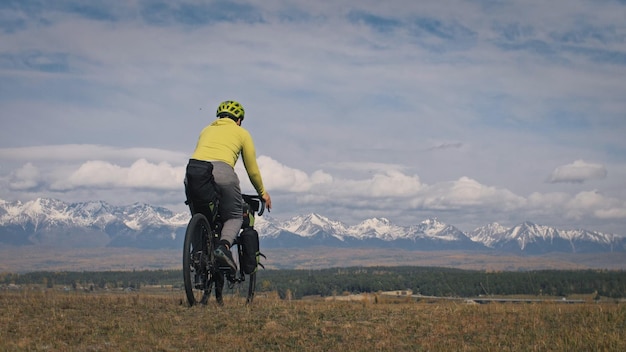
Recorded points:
(427,281)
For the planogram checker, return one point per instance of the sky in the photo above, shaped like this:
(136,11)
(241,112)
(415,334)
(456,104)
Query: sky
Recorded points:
(473,112)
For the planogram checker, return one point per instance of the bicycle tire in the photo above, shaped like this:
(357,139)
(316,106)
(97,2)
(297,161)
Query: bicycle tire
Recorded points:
(196,275)
(218,279)
(251,287)
(251,278)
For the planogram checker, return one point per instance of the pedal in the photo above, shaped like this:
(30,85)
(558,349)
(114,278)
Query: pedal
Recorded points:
(200,282)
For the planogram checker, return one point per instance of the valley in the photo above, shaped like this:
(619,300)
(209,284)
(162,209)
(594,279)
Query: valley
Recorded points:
(41,258)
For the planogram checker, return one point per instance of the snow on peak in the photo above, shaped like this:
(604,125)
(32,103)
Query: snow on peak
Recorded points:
(433,224)
(50,213)
(376,228)
(43,212)
(488,234)
(139,216)
(376,222)
(529,232)
(312,224)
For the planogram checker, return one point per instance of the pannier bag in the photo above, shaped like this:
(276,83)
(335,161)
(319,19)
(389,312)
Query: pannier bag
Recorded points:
(251,255)
(200,189)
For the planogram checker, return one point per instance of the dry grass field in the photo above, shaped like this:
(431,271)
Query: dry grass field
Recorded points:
(53,320)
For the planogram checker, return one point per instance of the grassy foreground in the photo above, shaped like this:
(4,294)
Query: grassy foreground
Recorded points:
(71,321)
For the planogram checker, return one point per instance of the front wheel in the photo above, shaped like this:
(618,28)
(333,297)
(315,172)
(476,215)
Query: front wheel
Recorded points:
(196,260)
(251,278)
(251,287)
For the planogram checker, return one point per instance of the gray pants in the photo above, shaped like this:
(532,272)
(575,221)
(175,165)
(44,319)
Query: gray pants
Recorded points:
(231,202)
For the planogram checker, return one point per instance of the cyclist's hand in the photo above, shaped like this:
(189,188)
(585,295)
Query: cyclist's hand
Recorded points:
(268,201)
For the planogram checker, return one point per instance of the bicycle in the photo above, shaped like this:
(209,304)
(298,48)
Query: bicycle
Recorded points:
(201,269)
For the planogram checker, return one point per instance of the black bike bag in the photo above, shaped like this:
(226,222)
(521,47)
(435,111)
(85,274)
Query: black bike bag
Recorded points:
(200,189)
(251,254)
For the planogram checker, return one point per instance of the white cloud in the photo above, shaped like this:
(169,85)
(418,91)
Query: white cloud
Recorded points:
(390,184)
(585,204)
(140,175)
(592,202)
(614,213)
(467,193)
(373,188)
(277,176)
(382,190)
(25,178)
(579,171)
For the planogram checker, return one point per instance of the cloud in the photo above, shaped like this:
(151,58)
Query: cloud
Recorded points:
(614,213)
(391,108)
(582,205)
(25,178)
(446,145)
(577,172)
(373,188)
(277,176)
(390,184)
(467,193)
(368,167)
(79,152)
(140,175)
(595,203)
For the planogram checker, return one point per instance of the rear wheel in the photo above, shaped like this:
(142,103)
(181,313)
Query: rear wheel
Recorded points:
(196,258)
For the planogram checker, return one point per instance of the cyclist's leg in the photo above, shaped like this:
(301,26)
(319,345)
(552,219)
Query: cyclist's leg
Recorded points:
(231,202)
(230,208)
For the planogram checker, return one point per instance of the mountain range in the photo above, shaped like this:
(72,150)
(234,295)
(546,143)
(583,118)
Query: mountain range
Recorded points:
(53,222)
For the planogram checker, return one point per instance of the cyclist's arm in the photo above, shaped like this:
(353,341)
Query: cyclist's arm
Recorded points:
(248,154)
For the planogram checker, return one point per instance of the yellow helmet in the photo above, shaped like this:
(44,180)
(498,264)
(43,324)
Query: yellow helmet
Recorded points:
(231,108)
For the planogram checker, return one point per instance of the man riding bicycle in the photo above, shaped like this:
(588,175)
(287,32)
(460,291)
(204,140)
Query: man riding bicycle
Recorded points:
(221,143)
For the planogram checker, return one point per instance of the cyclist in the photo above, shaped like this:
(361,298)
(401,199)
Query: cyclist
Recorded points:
(221,143)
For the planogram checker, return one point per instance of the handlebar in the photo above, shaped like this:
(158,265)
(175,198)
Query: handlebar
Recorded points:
(256,202)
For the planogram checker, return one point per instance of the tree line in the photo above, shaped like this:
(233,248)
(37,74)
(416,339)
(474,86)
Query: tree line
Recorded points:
(444,282)
(428,281)
(95,279)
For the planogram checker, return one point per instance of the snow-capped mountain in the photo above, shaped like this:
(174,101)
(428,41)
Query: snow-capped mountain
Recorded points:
(380,228)
(314,225)
(98,224)
(315,229)
(488,234)
(534,239)
(88,224)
